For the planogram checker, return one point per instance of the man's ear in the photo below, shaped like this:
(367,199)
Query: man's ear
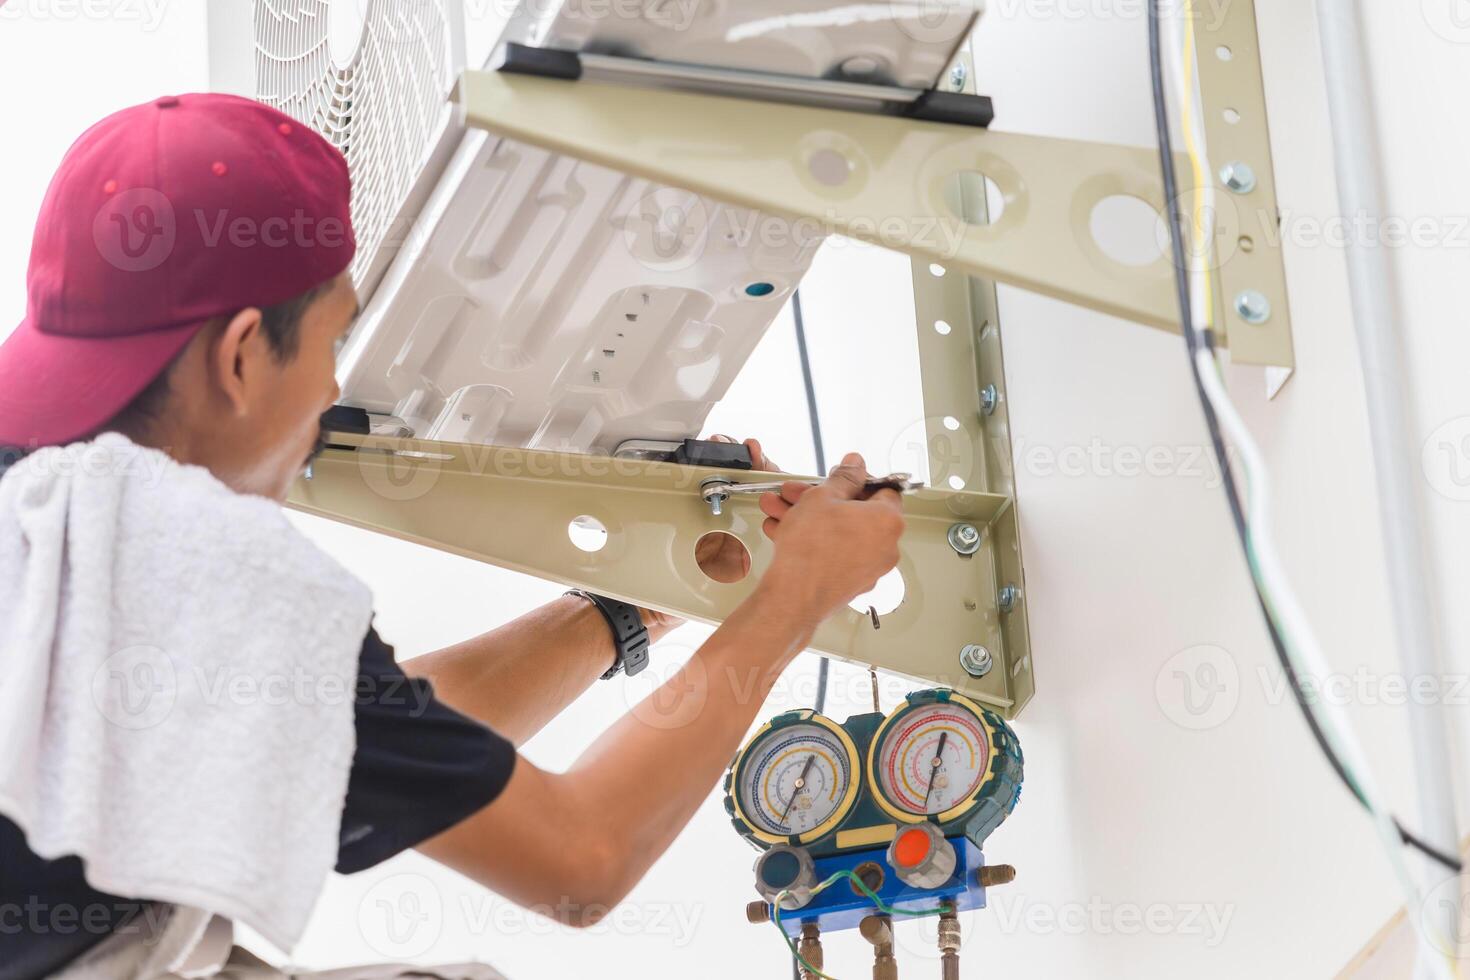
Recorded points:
(235,358)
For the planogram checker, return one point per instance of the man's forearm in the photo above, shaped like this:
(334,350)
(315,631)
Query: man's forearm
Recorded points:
(645,776)
(519,676)
(580,840)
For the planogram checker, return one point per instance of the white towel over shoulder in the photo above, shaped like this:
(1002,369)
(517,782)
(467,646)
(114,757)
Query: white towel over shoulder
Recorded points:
(177,672)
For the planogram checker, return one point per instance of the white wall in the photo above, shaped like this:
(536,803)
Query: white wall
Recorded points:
(1146,847)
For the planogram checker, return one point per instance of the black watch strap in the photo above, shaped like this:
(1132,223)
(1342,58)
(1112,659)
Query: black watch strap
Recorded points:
(630,636)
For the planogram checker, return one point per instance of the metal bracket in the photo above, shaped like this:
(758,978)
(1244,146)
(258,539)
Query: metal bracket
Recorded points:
(510,507)
(885,180)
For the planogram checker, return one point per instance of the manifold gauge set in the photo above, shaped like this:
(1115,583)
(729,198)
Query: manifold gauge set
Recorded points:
(898,806)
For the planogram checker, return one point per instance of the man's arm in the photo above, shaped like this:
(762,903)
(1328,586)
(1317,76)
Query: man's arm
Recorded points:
(520,676)
(573,844)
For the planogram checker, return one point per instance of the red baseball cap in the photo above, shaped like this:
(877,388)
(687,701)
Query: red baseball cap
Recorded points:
(161,217)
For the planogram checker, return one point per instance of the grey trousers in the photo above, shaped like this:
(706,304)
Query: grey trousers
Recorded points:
(177,943)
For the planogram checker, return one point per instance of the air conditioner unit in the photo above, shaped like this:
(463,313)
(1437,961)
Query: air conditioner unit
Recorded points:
(518,297)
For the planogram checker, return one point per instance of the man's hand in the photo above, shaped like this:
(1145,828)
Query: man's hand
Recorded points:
(721,556)
(832,544)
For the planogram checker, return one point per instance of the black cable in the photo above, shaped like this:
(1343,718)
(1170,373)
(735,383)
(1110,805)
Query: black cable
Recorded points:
(824,666)
(1212,422)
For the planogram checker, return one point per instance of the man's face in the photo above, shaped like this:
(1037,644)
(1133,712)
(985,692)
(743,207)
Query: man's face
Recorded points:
(280,430)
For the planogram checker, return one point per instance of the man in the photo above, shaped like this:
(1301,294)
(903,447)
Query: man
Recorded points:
(187,290)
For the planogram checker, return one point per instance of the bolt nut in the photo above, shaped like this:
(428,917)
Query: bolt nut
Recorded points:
(989,398)
(1252,306)
(957,76)
(976,660)
(995,874)
(964,538)
(1239,177)
(1007,598)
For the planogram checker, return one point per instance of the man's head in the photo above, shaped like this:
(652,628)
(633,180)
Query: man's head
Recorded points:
(188,288)
(245,396)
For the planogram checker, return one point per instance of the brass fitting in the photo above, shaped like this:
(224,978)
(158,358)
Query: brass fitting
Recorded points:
(878,930)
(995,874)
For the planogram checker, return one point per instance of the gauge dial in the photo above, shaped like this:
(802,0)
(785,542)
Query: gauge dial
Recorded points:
(931,758)
(796,779)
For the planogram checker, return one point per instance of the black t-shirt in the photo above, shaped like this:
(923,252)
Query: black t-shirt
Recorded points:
(420,768)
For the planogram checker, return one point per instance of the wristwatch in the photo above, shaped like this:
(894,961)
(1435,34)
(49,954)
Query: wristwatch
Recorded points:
(630,636)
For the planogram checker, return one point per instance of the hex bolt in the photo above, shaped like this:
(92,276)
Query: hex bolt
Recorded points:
(957,76)
(1007,598)
(758,912)
(989,398)
(1238,176)
(964,538)
(1252,306)
(993,874)
(976,660)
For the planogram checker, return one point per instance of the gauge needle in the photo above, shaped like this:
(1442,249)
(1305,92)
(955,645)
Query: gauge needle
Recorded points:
(934,768)
(800,782)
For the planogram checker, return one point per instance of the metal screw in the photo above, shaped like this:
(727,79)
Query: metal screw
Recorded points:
(989,398)
(1252,306)
(964,538)
(976,660)
(957,76)
(309,474)
(1239,177)
(1008,597)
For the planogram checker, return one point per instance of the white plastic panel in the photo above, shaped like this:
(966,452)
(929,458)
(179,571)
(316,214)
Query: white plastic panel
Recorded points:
(550,303)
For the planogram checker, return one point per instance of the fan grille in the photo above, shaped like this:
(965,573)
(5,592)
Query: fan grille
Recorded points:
(384,111)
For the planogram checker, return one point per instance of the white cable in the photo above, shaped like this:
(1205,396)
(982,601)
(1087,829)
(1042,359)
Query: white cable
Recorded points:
(1299,638)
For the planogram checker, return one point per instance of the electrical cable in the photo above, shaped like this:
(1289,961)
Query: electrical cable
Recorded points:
(1195,341)
(1274,596)
(1204,382)
(824,666)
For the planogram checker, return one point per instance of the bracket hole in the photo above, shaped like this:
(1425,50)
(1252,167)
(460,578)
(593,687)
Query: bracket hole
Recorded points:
(722,557)
(1231,116)
(1127,230)
(951,423)
(956,483)
(936,270)
(885,596)
(942,328)
(829,167)
(759,289)
(1224,53)
(1247,243)
(587,533)
(974,198)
